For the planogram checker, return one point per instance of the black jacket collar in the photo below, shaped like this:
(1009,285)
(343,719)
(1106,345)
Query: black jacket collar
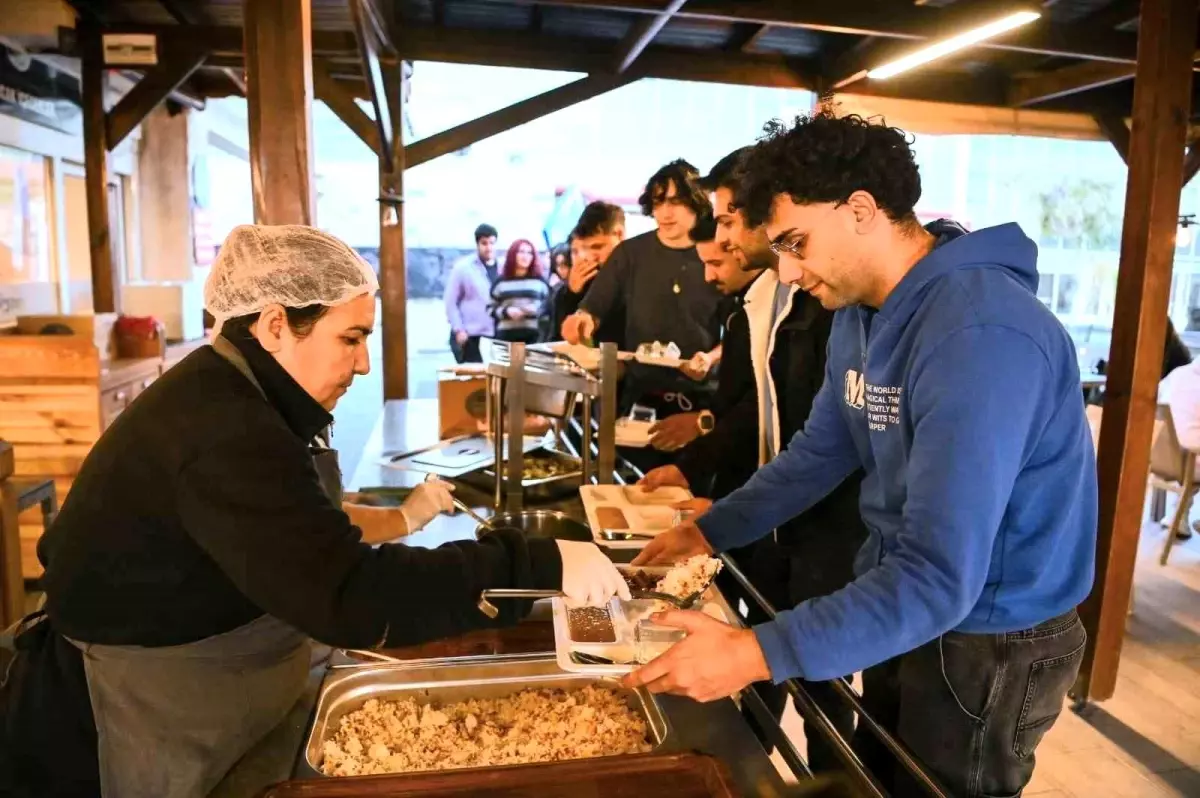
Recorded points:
(303,414)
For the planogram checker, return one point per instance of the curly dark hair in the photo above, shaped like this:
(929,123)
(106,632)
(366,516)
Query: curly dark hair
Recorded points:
(823,158)
(687,187)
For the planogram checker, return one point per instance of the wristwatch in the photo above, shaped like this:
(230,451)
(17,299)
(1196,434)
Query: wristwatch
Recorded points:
(705,422)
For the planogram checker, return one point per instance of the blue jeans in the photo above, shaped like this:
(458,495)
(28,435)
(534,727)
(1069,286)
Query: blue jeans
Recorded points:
(972,707)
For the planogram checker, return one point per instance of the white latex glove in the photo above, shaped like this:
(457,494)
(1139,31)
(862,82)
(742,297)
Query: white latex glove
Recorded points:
(589,577)
(426,502)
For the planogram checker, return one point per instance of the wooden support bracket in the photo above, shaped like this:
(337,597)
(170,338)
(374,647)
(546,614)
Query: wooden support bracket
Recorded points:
(341,102)
(507,118)
(154,87)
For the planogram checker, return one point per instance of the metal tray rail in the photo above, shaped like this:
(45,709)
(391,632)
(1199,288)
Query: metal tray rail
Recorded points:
(809,710)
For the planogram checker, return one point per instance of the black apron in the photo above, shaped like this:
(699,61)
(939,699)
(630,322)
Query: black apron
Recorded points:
(78,719)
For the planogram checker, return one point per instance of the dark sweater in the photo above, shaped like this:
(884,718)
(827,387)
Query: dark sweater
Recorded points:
(530,296)
(663,296)
(199,510)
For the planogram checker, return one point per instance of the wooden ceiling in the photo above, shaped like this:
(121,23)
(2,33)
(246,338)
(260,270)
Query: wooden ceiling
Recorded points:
(1079,56)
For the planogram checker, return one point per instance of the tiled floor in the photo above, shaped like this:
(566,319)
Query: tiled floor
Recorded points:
(1145,741)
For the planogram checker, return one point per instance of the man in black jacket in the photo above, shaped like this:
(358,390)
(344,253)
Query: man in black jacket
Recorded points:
(813,554)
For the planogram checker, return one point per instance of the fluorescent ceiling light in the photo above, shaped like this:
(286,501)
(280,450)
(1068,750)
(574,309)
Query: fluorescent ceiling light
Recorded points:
(953,44)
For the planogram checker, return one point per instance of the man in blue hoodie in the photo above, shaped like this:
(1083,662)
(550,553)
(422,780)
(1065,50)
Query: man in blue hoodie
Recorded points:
(957,392)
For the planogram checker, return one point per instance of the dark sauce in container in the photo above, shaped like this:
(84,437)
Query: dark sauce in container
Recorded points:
(591,625)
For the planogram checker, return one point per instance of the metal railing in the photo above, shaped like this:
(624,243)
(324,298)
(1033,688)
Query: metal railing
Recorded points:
(810,711)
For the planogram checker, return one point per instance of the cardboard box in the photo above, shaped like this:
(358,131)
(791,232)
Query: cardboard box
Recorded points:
(462,400)
(463,405)
(96,327)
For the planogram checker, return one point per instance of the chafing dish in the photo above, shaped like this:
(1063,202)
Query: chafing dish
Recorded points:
(540,489)
(445,681)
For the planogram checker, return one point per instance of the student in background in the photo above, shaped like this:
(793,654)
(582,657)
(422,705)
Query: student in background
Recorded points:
(560,265)
(672,303)
(520,297)
(601,227)
(469,295)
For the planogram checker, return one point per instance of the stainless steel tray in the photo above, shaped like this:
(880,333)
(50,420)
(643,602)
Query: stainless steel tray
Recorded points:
(443,681)
(533,489)
(455,456)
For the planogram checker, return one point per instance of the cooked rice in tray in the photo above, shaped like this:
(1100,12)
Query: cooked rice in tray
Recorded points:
(535,725)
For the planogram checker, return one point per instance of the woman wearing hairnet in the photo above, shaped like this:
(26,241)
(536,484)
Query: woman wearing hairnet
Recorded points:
(204,543)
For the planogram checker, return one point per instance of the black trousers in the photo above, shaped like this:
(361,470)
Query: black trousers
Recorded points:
(467,352)
(972,707)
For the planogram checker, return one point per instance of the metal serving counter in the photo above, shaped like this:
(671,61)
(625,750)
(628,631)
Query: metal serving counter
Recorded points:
(716,728)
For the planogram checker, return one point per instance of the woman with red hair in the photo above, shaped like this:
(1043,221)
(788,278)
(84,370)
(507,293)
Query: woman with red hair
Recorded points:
(520,297)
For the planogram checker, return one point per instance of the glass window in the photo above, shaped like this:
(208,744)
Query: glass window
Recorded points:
(26,282)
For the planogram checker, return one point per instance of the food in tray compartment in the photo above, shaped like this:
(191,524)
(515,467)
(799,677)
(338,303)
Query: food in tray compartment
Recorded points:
(591,625)
(534,725)
(534,468)
(640,580)
(689,576)
(659,351)
(611,518)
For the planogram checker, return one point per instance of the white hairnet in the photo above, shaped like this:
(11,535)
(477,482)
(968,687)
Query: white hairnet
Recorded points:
(290,265)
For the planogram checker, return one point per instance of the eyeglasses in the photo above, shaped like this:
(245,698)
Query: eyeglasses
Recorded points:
(795,247)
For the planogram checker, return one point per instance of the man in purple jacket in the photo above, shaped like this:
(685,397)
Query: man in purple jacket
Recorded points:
(468,294)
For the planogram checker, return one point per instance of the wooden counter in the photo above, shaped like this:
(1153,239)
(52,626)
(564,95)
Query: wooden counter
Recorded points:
(57,396)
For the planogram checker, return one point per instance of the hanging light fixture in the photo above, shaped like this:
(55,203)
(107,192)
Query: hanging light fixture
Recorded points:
(945,47)
(1184,235)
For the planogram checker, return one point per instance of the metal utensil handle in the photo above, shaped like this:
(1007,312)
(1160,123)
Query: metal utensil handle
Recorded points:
(513,593)
(489,609)
(486,523)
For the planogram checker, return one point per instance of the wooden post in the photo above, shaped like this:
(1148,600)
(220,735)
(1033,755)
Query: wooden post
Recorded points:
(106,283)
(1161,105)
(278,52)
(392,261)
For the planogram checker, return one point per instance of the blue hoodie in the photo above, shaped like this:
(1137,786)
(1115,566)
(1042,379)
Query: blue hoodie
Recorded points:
(960,399)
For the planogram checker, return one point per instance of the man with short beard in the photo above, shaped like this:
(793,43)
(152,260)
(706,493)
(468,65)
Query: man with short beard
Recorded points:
(788,331)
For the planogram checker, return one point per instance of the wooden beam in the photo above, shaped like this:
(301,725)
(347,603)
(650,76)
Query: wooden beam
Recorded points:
(507,118)
(278,36)
(641,34)
(1084,76)
(106,283)
(1039,87)
(1161,108)
(745,37)
(393,269)
(236,78)
(173,69)
(224,42)
(369,47)
(1191,163)
(374,20)
(891,20)
(1120,14)
(520,49)
(1116,131)
(341,102)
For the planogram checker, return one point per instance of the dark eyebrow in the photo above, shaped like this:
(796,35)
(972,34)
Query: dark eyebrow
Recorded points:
(361,329)
(779,239)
